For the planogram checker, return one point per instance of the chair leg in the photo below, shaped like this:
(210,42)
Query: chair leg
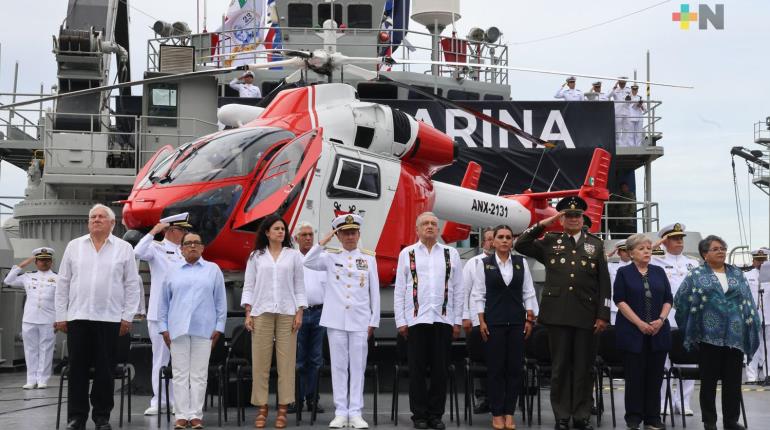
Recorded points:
(160,394)
(377,391)
(61,391)
(168,401)
(681,399)
(122,394)
(316,390)
(539,395)
(470,394)
(669,399)
(451,405)
(219,397)
(457,401)
(743,410)
(238,398)
(612,398)
(130,387)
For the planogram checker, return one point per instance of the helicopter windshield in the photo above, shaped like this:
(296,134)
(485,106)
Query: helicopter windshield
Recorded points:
(225,156)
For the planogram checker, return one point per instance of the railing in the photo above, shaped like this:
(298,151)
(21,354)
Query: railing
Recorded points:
(620,226)
(762,132)
(226,50)
(124,152)
(645,134)
(22,123)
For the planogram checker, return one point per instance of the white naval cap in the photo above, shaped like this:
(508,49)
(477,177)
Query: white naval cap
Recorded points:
(571,79)
(760,254)
(675,229)
(347,222)
(43,253)
(621,245)
(178,220)
(597,83)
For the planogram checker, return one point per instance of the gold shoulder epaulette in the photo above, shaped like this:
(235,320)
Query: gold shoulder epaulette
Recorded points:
(368,252)
(332,250)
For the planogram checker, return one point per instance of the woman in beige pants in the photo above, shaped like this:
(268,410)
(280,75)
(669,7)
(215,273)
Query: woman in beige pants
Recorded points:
(274,297)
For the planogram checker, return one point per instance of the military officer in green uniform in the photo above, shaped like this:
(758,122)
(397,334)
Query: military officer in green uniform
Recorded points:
(575,306)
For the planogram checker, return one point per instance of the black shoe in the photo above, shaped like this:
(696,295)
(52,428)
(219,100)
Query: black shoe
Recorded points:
(633,426)
(311,404)
(420,424)
(292,407)
(481,408)
(103,426)
(584,424)
(562,425)
(436,424)
(734,426)
(709,426)
(76,425)
(655,426)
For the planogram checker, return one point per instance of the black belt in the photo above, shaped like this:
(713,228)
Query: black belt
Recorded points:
(314,307)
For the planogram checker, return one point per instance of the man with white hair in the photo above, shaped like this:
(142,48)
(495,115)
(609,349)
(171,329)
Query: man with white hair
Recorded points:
(97,295)
(311,333)
(428,307)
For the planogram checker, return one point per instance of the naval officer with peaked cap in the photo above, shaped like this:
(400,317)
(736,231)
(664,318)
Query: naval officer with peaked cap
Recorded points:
(575,306)
(677,266)
(759,257)
(37,330)
(162,257)
(350,314)
(570,93)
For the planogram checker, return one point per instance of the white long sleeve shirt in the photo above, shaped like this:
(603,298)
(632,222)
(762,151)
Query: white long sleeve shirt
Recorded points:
(274,286)
(315,286)
(619,96)
(162,257)
(479,294)
(245,90)
(98,286)
(431,273)
(677,267)
(469,276)
(41,289)
(569,95)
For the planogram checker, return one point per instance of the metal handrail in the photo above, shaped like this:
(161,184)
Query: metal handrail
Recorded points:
(646,212)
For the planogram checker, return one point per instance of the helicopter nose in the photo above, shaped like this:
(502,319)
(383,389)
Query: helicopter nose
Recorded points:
(132,236)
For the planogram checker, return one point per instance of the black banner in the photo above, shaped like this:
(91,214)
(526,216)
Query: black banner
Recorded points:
(577,128)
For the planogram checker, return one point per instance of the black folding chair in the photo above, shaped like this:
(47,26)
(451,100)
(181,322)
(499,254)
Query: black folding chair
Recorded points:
(609,363)
(122,371)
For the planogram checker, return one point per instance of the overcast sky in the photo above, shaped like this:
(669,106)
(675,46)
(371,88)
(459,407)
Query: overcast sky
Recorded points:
(693,182)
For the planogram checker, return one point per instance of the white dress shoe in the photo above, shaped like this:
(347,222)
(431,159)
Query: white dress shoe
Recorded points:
(338,422)
(28,386)
(688,412)
(152,410)
(42,386)
(358,423)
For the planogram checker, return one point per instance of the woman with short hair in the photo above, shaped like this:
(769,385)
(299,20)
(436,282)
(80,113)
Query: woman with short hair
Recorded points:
(274,299)
(643,296)
(716,312)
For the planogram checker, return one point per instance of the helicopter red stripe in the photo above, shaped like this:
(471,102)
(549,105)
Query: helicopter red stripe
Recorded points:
(301,201)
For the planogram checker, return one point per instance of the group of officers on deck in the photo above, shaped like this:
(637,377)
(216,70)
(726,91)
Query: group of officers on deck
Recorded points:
(336,291)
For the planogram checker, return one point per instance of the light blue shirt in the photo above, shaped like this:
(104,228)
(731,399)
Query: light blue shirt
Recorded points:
(193,301)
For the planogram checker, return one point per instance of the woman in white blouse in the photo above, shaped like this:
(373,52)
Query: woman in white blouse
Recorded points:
(274,297)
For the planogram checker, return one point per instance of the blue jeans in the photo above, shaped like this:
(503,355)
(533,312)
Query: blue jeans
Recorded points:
(309,352)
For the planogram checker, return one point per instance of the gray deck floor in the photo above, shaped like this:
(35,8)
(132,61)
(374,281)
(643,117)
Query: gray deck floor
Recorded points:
(36,409)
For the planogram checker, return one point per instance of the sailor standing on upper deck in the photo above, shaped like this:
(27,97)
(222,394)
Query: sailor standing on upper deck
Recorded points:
(39,315)
(570,93)
(245,86)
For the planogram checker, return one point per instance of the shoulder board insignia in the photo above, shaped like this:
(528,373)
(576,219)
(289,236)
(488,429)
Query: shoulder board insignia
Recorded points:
(170,252)
(332,250)
(367,252)
(34,271)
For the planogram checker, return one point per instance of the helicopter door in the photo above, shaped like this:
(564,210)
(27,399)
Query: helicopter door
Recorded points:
(153,162)
(282,183)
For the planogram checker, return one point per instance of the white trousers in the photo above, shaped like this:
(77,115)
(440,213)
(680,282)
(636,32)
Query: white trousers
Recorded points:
(752,369)
(634,133)
(190,364)
(621,130)
(38,351)
(348,351)
(688,386)
(160,357)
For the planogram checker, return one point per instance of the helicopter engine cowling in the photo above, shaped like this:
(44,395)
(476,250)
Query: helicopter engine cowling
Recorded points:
(236,115)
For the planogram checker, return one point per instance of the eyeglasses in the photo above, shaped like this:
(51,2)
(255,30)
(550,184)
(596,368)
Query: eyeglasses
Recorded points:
(719,249)
(192,243)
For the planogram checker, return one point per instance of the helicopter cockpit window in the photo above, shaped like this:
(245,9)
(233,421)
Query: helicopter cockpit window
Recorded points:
(324,13)
(300,15)
(360,16)
(225,156)
(281,170)
(354,179)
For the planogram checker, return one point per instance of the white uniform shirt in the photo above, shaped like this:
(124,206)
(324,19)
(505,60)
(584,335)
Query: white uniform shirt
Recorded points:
(599,96)
(569,94)
(98,286)
(618,94)
(245,90)
(41,289)
(612,267)
(352,297)
(275,286)
(636,111)
(677,267)
(479,294)
(162,257)
(469,271)
(315,286)
(752,276)
(431,272)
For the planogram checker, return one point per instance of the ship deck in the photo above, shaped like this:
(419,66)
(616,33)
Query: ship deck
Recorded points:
(36,409)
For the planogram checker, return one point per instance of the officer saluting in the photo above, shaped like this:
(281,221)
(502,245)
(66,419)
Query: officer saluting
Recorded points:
(162,257)
(37,330)
(350,314)
(570,93)
(575,306)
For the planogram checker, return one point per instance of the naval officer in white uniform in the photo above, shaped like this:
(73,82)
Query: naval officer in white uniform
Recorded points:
(37,330)
(621,95)
(636,111)
(162,257)
(596,93)
(753,373)
(570,93)
(677,266)
(612,267)
(350,314)
(245,86)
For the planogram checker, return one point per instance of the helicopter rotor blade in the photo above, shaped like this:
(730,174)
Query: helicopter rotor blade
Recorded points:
(394,61)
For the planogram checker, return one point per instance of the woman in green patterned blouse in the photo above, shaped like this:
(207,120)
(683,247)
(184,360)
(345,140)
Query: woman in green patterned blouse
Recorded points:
(716,311)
